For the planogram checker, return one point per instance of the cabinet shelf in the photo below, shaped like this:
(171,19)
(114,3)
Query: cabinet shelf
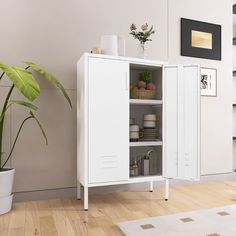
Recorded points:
(141,178)
(145,143)
(145,102)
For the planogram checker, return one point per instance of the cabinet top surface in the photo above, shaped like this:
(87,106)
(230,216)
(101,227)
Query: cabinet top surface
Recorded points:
(129,59)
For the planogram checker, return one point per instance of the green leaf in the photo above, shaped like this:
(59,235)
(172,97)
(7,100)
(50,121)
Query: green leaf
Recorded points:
(145,76)
(23,80)
(50,78)
(40,126)
(24,103)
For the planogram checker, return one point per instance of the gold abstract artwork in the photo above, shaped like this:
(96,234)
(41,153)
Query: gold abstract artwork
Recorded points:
(201,39)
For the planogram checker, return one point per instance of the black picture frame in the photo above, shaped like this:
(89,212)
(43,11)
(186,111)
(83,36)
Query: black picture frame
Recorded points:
(187,26)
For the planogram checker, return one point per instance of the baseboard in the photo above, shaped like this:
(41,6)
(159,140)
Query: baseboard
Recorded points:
(44,194)
(70,192)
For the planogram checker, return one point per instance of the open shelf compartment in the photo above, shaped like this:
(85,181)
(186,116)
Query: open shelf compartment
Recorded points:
(137,115)
(156,79)
(148,159)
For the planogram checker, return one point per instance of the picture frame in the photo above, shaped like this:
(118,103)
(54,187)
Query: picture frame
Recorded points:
(208,82)
(200,39)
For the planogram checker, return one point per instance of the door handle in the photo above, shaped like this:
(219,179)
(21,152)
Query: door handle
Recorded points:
(126,81)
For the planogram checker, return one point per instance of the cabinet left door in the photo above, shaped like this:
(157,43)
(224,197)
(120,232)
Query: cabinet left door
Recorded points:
(108,124)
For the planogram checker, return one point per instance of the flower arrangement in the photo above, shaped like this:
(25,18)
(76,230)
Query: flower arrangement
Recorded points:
(144,35)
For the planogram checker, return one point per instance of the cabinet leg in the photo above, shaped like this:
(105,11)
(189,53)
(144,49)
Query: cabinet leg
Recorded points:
(167,190)
(151,186)
(85,198)
(78,190)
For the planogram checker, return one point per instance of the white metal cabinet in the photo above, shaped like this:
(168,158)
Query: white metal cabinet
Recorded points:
(108,120)
(182,122)
(103,111)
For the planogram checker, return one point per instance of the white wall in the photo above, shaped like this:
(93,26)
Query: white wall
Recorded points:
(55,33)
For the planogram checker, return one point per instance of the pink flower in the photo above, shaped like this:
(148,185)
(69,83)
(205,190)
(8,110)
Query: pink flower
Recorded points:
(144,27)
(133,27)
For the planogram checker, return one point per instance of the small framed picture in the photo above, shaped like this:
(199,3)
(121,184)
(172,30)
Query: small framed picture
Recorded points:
(208,82)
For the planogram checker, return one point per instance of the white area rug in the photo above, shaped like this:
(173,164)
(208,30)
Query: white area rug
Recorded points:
(219,221)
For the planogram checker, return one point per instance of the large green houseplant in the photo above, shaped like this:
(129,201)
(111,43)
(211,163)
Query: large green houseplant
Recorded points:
(25,81)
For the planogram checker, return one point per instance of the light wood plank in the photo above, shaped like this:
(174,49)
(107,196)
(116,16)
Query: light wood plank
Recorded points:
(47,226)
(32,222)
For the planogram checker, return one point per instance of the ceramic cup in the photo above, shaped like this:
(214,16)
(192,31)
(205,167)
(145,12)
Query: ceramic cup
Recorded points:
(135,135)
(134,128)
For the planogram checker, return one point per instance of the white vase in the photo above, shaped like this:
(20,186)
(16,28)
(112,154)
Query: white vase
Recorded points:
(6,185)
(113,45)
(142,51)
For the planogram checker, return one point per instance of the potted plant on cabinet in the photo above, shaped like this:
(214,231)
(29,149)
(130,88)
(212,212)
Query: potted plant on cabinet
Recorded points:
(26,83)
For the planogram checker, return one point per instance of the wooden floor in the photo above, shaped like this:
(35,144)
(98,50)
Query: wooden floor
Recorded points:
(65,217)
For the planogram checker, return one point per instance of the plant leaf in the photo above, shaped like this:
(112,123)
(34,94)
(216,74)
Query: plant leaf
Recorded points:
(40,126)
(24,103)
(50,78)
(16,138)
(23,80)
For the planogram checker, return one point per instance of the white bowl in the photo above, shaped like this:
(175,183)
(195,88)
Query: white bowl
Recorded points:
(151,117)
(149,124)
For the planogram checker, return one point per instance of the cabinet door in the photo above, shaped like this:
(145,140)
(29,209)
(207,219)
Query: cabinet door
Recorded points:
(182,122)
(108,89)
(189,122)
(170,121)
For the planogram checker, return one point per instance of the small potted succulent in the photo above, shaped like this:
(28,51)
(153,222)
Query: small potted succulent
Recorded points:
(26,83)
(142,36)
(144,89)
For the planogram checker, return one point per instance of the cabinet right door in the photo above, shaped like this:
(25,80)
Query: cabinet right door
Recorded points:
(181,122)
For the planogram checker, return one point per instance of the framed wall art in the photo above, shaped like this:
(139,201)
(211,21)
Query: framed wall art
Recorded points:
(200,39)
(208,82)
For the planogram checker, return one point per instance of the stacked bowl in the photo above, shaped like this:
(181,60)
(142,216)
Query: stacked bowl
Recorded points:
(150,130)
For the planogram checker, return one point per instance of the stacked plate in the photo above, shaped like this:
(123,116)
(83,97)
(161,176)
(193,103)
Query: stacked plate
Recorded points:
(149,134)
(150,130)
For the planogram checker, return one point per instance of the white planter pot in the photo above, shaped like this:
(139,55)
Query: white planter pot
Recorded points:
(6,184)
